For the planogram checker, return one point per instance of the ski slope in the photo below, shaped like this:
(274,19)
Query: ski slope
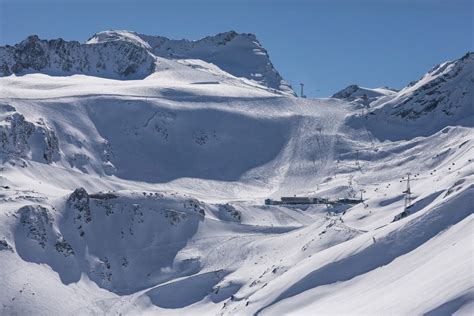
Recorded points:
(146,196)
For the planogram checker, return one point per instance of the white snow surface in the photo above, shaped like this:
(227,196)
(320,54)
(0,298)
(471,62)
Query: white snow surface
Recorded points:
(146,196)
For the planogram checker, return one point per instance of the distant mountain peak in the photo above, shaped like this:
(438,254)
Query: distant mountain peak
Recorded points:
(118,35)
(362,95)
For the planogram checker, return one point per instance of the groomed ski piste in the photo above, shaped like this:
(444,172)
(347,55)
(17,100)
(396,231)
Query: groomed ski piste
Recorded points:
(146,195)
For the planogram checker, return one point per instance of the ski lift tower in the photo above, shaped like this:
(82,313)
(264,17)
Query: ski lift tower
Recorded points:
(407,192)
(302,94)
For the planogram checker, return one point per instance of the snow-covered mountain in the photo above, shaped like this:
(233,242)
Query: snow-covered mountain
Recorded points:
(147,196)
(443,96)
(446,88)
(362,95)
(241,55)
(128,55)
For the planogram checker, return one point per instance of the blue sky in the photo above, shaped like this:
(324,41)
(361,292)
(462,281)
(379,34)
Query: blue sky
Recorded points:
(325,44)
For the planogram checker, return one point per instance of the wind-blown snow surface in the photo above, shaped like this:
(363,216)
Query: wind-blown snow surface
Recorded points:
(146,196)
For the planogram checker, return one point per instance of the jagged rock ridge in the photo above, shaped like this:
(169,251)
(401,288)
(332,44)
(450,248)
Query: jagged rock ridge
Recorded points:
(58,57)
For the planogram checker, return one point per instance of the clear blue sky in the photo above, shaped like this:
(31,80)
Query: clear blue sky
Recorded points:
(325,44)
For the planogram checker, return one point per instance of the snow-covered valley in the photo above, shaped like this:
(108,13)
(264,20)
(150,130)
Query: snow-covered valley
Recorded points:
(142,192)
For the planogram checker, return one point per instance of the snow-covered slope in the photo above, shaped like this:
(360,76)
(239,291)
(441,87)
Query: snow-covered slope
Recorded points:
(146,196)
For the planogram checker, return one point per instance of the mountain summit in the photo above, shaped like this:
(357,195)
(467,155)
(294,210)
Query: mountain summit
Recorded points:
(129,55)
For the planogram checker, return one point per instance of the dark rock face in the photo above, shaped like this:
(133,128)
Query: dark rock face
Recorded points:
(51,148)
(196,206)
(64,247)
(37,224)
(5,246)
(346,93)
(38,221)
(30,54)
(15,135)
(20,138)
(231,211)
(78,201)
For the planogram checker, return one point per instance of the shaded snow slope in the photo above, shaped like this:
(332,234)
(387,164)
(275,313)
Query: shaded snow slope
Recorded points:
(147,196)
